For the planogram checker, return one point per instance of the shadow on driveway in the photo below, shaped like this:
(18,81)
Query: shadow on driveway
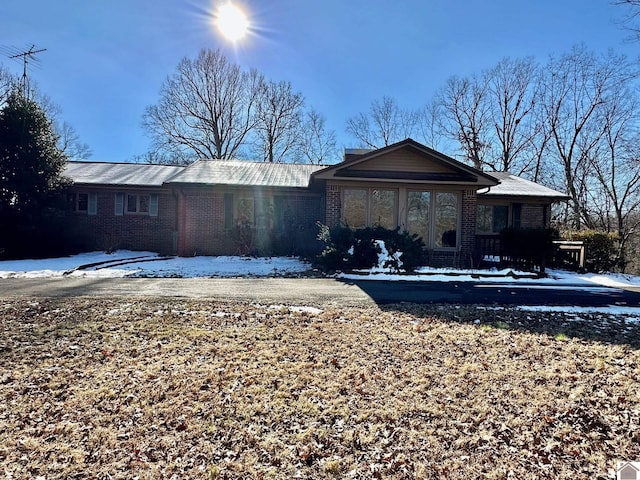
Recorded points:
(563,311)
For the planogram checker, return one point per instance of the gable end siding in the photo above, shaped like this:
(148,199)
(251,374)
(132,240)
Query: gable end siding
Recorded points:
(403,161)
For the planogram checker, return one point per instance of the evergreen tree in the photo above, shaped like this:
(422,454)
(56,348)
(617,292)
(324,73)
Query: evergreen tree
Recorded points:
(30,175)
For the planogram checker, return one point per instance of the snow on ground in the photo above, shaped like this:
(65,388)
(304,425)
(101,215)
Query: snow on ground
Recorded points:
(632,313)
(555,278)
(149,264)
(109,265)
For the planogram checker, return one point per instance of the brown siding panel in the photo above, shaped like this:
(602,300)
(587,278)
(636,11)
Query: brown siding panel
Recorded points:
(402,161)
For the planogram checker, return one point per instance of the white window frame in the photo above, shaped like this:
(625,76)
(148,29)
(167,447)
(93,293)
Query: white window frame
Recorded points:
(121,205)
(92,203)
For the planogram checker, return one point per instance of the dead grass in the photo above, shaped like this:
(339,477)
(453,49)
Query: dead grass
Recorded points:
(160,389)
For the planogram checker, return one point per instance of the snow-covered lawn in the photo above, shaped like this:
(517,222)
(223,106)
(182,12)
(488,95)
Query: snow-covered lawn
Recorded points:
(126,263)
(149,264)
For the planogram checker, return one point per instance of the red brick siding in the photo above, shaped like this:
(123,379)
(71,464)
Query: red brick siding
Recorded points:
(532,215)
(108,231)
(333,205)
(203,226)
(468,226)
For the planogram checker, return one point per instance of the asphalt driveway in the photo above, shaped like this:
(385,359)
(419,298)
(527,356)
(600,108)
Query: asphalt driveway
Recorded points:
(325,291)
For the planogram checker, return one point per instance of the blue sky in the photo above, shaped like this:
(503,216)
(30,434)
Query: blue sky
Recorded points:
(106,60)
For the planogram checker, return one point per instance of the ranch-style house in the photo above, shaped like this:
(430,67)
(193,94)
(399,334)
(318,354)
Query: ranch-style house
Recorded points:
(227,207)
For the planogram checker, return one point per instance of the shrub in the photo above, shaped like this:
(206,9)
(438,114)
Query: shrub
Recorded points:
(347,249)
(601,252)
(528,248)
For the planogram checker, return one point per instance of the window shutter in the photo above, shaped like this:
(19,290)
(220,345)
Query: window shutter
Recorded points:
(92,208)
(119,204)
(153,205)
(228,211)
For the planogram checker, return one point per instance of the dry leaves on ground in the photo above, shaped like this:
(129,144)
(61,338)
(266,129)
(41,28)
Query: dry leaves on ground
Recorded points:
(155,389)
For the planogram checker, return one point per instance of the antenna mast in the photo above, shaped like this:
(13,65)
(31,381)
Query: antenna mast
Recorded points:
(27,55)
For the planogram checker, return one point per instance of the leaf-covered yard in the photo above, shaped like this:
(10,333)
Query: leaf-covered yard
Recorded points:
(155,389)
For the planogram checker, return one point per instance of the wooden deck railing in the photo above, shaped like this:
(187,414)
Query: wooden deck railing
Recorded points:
(567,254)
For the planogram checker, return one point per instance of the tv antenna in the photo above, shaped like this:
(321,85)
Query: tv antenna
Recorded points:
(26,56)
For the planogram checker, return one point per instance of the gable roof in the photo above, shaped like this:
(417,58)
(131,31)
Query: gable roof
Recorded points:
(119,174)
(511,185)
(448,171)
(245,173)
(287,175)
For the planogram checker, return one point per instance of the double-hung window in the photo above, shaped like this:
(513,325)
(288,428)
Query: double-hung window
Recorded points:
(136,203)
(84,202)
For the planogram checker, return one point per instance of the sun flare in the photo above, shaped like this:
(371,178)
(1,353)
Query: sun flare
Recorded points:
(232,22)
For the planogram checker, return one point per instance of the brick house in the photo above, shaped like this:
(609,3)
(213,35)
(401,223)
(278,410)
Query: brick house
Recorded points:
(226,207)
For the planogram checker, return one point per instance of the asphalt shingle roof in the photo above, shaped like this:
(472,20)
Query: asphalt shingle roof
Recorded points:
(244,173)
(105,173)
(512,185)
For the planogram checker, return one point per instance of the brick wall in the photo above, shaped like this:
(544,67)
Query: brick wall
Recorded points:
(204,224)
(533,215)
(333,205)
(203,229)
(108,231)
(468,227)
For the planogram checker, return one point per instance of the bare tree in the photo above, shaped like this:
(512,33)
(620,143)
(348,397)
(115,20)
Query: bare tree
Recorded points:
(615,190)
(512,94)
(155,158)
(631,18)
(429,128)
(317,144)
(68,139)
(577,85)
(385,123)
(278,121)
(466,116)
(206,109)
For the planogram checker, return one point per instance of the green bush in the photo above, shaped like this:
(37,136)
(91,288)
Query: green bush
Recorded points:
(347,249)
(601,252)
(528,248)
